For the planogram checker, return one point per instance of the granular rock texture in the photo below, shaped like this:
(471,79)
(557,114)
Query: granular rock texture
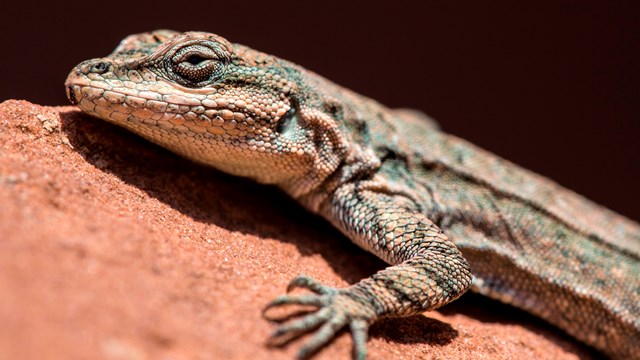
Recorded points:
(113,248)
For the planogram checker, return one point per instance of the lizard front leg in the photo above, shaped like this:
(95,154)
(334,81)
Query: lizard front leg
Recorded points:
(428,270)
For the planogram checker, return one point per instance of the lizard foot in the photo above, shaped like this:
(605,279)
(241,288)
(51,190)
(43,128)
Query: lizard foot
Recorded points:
(336,308)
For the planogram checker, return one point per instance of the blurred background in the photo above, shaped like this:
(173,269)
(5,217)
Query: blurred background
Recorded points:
(550,85)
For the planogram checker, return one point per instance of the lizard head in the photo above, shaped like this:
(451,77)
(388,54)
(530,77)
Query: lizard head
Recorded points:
(222,104)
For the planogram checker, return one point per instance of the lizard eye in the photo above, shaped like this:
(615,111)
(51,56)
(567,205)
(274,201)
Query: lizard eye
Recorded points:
(195,59)
(288,122)
(196,65)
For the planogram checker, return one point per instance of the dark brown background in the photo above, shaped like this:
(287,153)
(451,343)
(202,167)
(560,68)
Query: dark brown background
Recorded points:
(551,85)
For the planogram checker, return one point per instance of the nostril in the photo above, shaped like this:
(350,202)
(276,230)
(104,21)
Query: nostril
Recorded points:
(100,67)
(71,95)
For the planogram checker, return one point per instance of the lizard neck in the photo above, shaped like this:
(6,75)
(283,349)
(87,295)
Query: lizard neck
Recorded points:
(358,163)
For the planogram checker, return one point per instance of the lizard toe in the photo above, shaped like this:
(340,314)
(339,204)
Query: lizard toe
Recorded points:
(291,330)
(359,333)
(286,300)
(306,282)
(323,336)
(313,300)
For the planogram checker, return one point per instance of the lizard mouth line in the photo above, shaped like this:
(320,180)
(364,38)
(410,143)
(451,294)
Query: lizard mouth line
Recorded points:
(78,93)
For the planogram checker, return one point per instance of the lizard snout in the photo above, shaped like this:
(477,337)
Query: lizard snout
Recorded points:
(82,75)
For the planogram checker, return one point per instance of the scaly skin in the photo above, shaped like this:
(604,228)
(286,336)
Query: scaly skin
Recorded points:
(388,179)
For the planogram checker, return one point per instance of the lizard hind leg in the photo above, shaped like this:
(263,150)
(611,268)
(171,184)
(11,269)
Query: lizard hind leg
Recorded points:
(336,309)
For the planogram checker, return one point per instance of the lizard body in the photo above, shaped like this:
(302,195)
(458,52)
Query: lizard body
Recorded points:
(389,179)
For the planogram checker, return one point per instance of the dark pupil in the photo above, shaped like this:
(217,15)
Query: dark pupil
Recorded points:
(195,59)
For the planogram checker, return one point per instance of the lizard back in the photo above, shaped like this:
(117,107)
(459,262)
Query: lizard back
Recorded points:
(530,242)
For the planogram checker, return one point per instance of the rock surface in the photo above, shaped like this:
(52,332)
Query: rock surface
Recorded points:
(113,248)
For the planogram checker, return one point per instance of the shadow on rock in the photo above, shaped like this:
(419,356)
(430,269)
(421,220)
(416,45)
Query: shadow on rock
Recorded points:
(417,329)
(213,197)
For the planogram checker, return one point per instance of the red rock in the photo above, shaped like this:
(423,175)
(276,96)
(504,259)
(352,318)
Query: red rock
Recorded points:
(112,248)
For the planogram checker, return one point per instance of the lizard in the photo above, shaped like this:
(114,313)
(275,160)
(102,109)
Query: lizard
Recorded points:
(446,215)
